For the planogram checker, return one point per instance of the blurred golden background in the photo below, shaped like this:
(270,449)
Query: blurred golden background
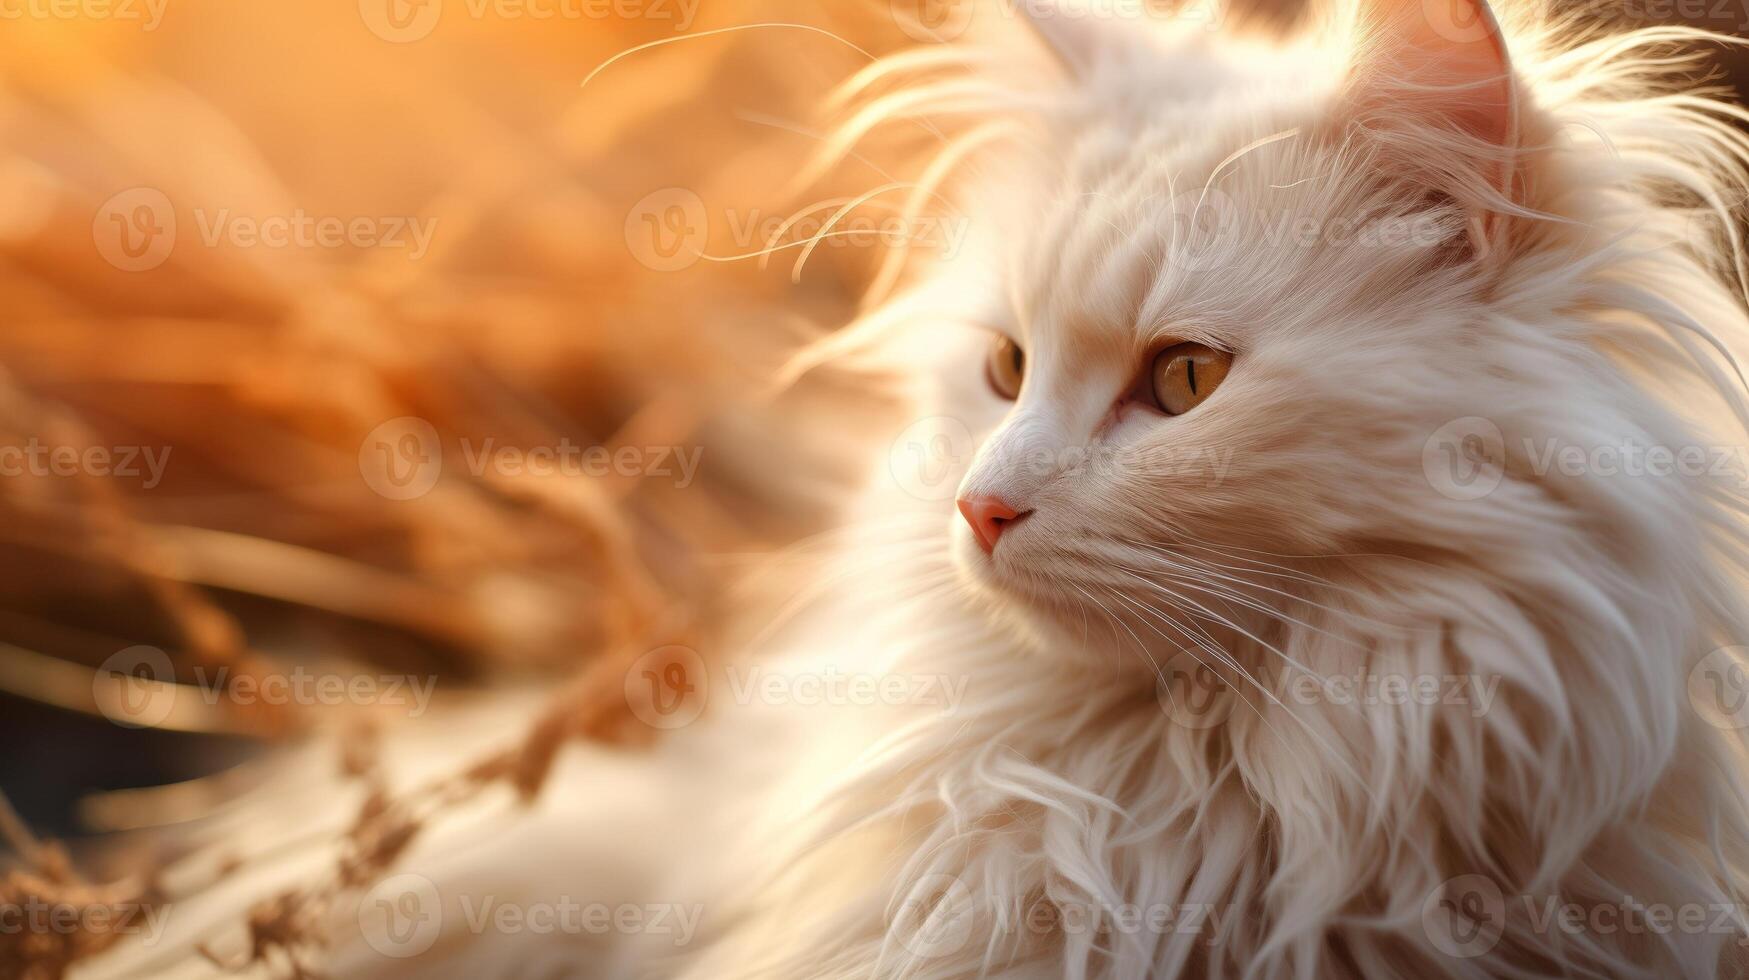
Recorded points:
(281,281)
(483,275)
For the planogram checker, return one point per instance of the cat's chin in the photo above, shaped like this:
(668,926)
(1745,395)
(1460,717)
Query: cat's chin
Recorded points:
(1051,617)
(992,572)
(1025,596)
(1012,573)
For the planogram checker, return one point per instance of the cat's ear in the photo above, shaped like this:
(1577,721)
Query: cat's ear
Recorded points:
(1444,65)
(1456,50)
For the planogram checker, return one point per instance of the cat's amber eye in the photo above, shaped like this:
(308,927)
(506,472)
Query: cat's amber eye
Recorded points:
(1185,375)
(1006,368)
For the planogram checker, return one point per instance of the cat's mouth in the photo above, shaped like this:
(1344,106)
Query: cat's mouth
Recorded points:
(1003,558)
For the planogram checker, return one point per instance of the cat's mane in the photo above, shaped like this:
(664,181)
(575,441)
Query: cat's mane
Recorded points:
(1593,782)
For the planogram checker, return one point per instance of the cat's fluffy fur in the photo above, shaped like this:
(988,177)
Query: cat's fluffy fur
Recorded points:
(1305,839)
(1595,315)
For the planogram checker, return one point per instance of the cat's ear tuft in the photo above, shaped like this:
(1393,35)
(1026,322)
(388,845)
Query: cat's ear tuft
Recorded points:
(1443,65)
(1455,50)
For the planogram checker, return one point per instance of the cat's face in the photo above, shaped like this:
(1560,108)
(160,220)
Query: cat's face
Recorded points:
(1230,330)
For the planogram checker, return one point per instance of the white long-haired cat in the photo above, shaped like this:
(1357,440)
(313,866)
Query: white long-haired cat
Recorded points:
(1343,565)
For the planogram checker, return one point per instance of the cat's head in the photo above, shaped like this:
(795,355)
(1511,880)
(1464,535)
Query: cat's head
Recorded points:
(1264,304)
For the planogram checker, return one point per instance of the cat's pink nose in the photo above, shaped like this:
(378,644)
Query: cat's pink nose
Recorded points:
(989,517)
